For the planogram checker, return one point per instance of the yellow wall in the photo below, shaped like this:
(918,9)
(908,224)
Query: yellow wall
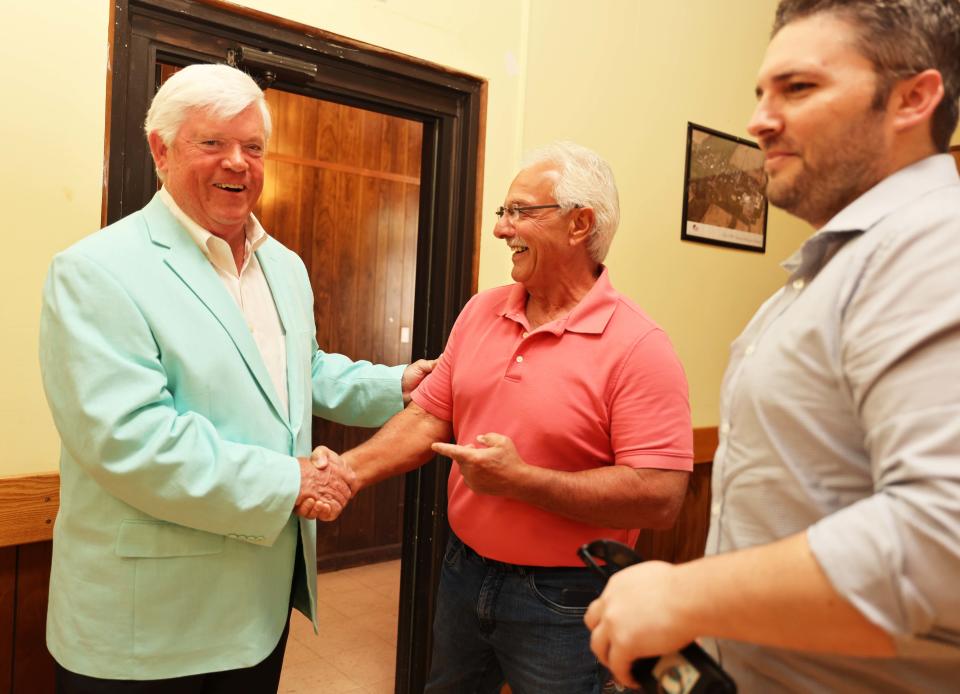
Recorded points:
(622,76)
(624,79)
(52,118)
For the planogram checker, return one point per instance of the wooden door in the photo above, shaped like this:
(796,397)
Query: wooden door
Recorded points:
(342,189)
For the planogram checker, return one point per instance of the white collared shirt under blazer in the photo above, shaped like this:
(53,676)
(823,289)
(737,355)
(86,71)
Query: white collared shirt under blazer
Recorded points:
(840,412)
(248,287)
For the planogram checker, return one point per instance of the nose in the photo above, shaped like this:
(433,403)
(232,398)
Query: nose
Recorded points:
(233,158)
(503,229)
(766,120)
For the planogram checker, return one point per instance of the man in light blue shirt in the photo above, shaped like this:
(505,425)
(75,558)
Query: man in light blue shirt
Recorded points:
(835,524)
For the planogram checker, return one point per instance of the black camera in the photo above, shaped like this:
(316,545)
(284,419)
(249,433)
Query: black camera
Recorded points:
(689,671)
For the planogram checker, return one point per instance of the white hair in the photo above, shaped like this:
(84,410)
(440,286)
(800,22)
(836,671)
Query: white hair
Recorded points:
(220,89)
(586,179)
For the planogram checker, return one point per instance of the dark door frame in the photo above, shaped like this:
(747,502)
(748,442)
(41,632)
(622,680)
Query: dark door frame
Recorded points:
(451,106)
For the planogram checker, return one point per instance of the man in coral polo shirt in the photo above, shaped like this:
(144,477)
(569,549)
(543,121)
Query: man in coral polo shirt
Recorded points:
(569,408)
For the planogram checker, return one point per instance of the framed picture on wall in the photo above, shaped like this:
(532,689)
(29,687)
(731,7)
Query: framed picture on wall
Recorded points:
(723,199)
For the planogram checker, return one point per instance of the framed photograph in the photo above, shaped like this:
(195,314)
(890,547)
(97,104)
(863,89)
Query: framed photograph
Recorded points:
(723,199)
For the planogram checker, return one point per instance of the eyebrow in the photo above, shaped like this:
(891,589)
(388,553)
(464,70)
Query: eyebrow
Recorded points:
(780,78)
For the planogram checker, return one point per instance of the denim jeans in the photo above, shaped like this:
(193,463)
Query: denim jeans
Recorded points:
(498,622)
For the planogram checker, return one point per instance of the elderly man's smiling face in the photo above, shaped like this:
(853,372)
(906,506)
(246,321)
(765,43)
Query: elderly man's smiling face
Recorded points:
(213,169)
(538,238)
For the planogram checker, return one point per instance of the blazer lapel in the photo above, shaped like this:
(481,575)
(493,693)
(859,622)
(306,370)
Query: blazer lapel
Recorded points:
(278,277)
(192,267)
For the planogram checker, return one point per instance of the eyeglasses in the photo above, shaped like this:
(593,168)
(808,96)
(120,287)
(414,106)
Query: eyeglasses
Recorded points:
(615,556)
(513,213)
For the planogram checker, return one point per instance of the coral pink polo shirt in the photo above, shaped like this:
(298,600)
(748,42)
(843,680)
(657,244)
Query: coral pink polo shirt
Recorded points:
(601,386)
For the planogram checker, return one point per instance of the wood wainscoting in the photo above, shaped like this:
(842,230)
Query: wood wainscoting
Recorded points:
(28,506)
(687,538)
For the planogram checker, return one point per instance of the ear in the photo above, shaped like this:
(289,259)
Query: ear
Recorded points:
(914,100)
(581,222)
(159,150)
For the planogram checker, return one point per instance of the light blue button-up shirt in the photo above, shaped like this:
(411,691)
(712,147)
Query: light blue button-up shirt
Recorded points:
(840,415)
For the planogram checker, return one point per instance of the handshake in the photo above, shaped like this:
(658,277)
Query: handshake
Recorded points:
(326,485)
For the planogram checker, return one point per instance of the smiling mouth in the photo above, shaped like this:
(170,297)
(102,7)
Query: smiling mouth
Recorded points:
(231,187)
(517,250)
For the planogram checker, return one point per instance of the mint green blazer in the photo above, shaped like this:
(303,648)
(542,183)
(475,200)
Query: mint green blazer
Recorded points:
(174,548)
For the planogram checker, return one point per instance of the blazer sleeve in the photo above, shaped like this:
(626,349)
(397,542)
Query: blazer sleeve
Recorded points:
(113,407)
(355,393)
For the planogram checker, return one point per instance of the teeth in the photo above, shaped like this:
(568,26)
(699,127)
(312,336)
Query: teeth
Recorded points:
(229,186)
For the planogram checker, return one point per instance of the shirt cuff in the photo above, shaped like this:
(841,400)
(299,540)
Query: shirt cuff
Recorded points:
(659,461)
(431,405)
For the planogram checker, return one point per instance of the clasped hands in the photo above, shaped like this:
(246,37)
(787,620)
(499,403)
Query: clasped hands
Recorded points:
(326,485)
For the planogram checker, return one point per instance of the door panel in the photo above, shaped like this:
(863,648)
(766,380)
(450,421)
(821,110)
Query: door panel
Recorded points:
(343,191)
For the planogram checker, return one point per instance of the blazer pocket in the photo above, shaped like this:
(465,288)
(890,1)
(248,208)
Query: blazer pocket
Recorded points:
(146,538)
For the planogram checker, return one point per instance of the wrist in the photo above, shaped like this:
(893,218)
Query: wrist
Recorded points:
(351,460)
(690,608)
(530,484)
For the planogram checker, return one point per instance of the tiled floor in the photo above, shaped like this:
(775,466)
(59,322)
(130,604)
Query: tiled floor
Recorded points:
(355,651)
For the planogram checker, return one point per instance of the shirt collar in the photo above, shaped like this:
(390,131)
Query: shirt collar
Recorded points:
(896,190)
(590,315)
(213,247)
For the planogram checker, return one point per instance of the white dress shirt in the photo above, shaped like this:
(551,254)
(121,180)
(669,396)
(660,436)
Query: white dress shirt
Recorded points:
(248,288)
(840,416)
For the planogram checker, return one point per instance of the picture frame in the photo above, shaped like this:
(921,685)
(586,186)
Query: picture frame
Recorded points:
(724,203)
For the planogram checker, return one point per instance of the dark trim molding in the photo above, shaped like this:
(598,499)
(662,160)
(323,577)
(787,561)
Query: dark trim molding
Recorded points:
(360,557)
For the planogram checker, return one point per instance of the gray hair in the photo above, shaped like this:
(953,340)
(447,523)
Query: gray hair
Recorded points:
(586,180)
(901,38)
(220,89)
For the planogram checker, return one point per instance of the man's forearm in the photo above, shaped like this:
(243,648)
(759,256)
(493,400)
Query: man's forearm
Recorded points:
(776,595)
(403,444)
(615,496)
(773,595)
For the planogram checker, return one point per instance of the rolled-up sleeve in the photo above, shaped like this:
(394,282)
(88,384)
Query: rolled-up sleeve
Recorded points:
(896,554)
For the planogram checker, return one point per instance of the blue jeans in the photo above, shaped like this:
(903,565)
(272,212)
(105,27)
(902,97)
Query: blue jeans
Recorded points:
(498,622)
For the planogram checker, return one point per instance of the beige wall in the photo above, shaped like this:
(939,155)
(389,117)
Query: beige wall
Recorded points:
(635,73)
(55,71)
(622,76)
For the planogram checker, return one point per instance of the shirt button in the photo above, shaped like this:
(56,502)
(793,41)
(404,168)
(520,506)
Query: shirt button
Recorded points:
(724,427)
(750,350)
(519,359)
(799,284)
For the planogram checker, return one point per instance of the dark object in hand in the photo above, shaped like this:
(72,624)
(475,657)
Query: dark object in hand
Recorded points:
(691,670)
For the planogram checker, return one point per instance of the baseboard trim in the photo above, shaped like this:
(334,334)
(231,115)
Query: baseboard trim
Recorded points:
(358,557)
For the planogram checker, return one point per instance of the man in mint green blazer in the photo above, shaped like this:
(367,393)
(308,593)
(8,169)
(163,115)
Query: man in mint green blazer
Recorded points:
(180,363)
